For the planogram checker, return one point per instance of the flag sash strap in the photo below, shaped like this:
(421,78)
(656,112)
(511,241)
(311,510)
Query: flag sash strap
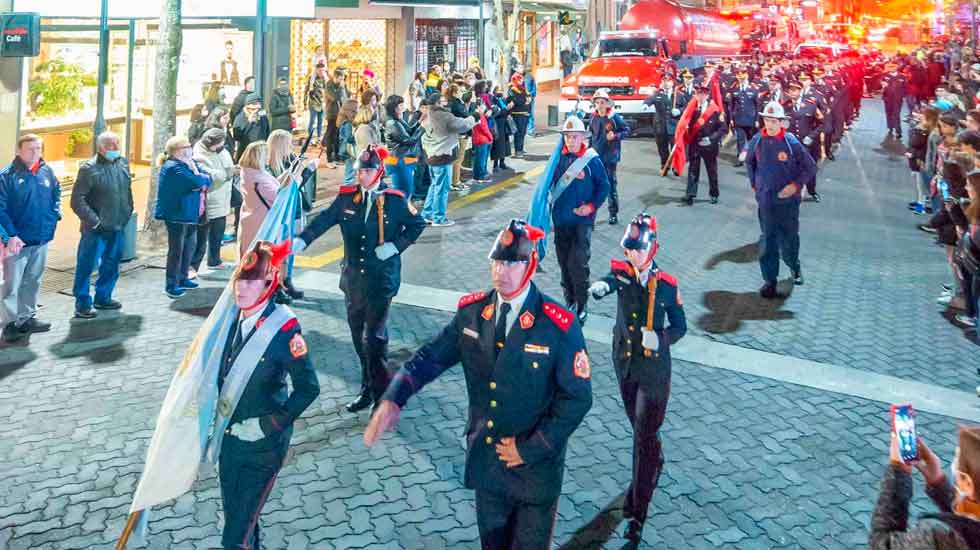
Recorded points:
(703,119)
(566,179)
(240,373)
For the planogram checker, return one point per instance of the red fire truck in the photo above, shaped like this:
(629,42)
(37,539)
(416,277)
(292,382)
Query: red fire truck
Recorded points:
(654,36)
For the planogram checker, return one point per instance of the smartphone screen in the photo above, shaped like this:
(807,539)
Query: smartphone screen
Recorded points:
(903,422)
(944,189)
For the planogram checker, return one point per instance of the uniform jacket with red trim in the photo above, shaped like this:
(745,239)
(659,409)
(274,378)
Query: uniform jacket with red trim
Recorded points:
(265,396)
(362,271)
(669,322)
(536,390)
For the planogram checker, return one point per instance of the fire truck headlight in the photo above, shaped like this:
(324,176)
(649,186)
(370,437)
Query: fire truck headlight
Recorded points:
(647,90)
(569,90)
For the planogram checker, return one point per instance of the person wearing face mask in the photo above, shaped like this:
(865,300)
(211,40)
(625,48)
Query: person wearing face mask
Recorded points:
(255,412)
(893,95)
(181,193)
(30,209)
(102,198)
(529,387)
(210,153)
(377,224)
(956,525)
(649,319)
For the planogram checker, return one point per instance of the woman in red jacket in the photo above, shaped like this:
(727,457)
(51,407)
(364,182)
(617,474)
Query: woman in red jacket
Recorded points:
(482,140)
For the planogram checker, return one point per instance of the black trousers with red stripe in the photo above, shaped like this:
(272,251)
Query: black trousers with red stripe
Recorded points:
(247,472)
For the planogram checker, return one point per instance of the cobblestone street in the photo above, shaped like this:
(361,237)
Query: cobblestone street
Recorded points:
(752,462)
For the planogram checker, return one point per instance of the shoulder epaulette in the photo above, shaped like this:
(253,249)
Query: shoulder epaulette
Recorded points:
(622,266)
(347,189)
(666,277)
(289,325)
(559,315)
(471,299)
(391,191)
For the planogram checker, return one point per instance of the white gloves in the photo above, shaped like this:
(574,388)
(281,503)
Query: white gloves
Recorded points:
(385,251)
(599,289)
(651,340)
(807,141)
(249,430)
(298,246)
(705,142)
(675,112)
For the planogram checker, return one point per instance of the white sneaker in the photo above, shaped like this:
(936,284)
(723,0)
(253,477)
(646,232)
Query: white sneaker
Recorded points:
(445,223)
(944,299)
(966,320)
(191,274)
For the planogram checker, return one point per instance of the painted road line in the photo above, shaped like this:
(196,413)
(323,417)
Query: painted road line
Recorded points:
(706,352)
(336,253)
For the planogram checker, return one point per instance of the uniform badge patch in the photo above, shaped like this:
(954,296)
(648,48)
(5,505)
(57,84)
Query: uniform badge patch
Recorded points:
(535,348)
(349,212)
(297,346)
(471,333)
(527,320)
(487,313)
(782,156)
(581,365)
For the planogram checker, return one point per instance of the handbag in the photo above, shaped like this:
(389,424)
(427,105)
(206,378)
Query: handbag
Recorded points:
(236,192)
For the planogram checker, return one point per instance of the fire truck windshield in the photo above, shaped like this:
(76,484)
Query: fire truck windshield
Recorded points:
(632,46)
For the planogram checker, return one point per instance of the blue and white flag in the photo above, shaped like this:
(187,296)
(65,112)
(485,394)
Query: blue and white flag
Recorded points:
(539,214)
(187,417)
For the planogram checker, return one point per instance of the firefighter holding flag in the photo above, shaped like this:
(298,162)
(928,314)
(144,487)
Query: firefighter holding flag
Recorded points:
(698,136)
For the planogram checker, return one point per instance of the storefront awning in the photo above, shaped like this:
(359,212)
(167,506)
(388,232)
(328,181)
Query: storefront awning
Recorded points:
(429,3)
(550,6)
(337,3)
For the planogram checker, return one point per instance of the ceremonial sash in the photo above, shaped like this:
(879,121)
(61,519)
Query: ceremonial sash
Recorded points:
(570,174)
(703,119)
(240,373)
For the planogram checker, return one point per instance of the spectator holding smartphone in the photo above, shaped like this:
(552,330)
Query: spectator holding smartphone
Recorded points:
(956,526)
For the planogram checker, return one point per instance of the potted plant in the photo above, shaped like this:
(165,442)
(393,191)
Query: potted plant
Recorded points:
(79,143)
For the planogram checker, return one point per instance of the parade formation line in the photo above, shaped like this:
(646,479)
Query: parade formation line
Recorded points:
(336,253)
(706,352)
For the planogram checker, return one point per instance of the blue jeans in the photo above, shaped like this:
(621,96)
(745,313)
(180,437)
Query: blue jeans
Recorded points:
(480,155)
(181,242)
(102,251)
(530,120)
(349,172)
(403,177)
(317,117)
(438,195)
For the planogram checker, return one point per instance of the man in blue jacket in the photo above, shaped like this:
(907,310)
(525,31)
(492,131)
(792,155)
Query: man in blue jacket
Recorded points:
(607,129)
(578,188)
(778,165)
(30,208)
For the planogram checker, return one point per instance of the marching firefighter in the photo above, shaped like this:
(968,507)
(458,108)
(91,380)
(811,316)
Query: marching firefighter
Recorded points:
(777,162)
(893,95)
(805,122)
(377,224)
(706,131)
(607,129)
(744,105)
(667,112)
(528,380)
(262,347)
(650,318)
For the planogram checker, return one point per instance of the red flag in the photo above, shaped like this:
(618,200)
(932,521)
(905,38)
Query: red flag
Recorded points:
(716,91)
(680,137)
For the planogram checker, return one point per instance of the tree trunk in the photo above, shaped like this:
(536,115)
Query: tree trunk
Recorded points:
(164,106)
(506,37)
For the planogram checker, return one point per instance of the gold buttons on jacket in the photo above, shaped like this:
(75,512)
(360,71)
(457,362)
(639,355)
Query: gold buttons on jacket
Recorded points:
(493,404)
(534,365)
(634,315)
(493,385)
(490,424)
(489,440)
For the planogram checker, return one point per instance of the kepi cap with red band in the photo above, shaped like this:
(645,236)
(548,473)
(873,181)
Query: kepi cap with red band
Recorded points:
(516,243)
(641,233)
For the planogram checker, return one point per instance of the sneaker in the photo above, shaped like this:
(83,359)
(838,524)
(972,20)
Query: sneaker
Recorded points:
(768,291)
(85,313)
(927,228)
(714,200)
(111,304)
(444,223)
(912,205)
(188,284)
(174,292)
(815,197)
(919,209)
(613,220)
(966,320)
(798,277)
(946,288)
(944,299)
(33,325)
(228,238)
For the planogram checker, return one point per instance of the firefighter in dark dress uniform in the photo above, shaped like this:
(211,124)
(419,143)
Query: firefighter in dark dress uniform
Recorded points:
(706,131)
(528,381)
(827,94)
(650,318)
(744,105)
(377,224)
(665,116)
(254,446)
(893,93)
(805,122)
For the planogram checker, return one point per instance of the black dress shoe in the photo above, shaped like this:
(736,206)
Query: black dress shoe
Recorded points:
(613,220)
(11,333)
(768,291)
(111,304)
(293,292)
(33,325)
(689,201)
(739,164)
(634,532)
(583,314)
(281,297)
(361,403)
(815,197)
(798,277)
(85,313)
(714,200)
(830,156)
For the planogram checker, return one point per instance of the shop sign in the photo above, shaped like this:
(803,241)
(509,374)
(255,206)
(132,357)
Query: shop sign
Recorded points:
(20,34)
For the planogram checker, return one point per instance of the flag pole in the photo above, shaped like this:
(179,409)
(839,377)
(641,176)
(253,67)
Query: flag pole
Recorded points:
(670,157)
(134,518)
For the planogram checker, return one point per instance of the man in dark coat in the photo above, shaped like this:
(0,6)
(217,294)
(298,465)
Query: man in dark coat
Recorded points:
(664,106)
(705,133)
(251,125)
(377,224)
(649,319)
(805,122)
(744,104)
(528,385)
(893,94)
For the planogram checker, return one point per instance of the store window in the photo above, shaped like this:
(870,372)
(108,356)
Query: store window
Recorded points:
(546,44)
(439,41)
(358,44)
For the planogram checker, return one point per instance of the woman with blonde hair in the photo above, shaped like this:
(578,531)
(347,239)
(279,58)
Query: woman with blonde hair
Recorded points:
(366,130)
(284,167)
(259,189)
(181,199)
